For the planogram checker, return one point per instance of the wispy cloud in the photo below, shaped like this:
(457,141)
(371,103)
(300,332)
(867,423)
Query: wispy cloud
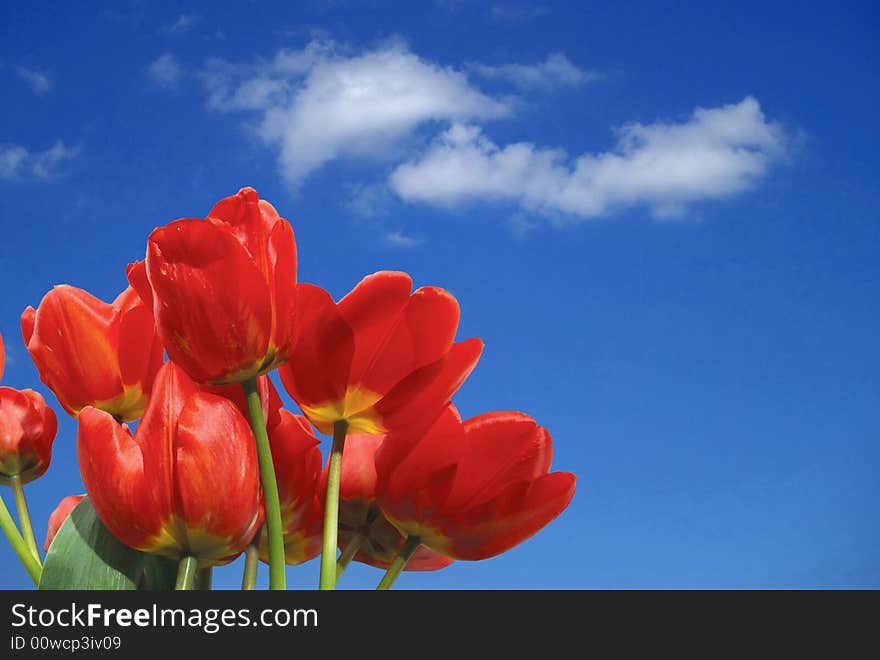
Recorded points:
(715,153)
(20,163)
(39,82)
(554,72)
(165,71)
(326,101)
(399,239)
(322,103)
(183,23)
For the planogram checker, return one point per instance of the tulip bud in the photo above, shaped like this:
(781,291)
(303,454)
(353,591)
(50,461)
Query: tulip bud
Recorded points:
(58,516)
(27,431)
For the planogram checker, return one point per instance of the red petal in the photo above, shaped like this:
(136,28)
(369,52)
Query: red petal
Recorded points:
(212,302)
(215,454)
(423,334)
(318,370)
(508,520)
(417,400)
(58,516)
(282,256)
(137,277)
(112,469)
(156,431)
(250,221)
(502,448)
(373,309)
(358,478)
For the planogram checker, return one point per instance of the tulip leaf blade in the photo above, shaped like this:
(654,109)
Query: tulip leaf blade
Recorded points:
(84,555)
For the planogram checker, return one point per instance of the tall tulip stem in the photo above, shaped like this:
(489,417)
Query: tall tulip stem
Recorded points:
(327,581)
(18,544)
(412,544)
(277,568)
(251,562)
(24,517)
(348,554)
(186,574)
(205,578)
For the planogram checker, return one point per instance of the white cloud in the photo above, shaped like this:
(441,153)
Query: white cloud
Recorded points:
(165,71)
(399,239)
(183,24)
(18,163)
(319,103)
(554,72)
(39,81)
(715,153)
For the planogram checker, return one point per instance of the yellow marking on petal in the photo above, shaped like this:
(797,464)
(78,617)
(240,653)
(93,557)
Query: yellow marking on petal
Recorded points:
(357,409)
(128,406)
(430,537)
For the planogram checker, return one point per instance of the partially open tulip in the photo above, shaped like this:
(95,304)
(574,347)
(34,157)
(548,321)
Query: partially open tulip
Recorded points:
(90,353)
(186,484)
(474,489)
(360,519)
(223,289)
(297,460)
(27,431)
(59,515)
(381,358)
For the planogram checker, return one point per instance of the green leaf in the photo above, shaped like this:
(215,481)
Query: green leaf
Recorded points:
(84,555)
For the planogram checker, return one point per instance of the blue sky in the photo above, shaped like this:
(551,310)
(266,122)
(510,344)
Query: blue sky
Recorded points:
(662,222)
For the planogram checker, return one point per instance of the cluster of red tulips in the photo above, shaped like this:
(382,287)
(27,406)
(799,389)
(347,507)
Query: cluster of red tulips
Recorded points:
(217,467)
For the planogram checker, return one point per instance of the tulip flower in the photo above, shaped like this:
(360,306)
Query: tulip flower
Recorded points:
(473,489)
(27,431)
(381,358)
(297,460)
(223,289)
(90,353)
(59,515)
(365,534)
(186,485)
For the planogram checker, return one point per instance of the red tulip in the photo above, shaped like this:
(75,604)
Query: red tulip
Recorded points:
(90,353)
(187,483)
(297,460)
(474,489)
(381,358)
(223,289)
(27,431)
(360,519)
(59,515)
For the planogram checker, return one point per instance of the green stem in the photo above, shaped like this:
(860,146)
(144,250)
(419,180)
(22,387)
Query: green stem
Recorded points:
(205,578)
(251,562)
(331,509)
(186,574)
(348,554)
(24,517)
(18,544)
(277,565)
(407,551)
